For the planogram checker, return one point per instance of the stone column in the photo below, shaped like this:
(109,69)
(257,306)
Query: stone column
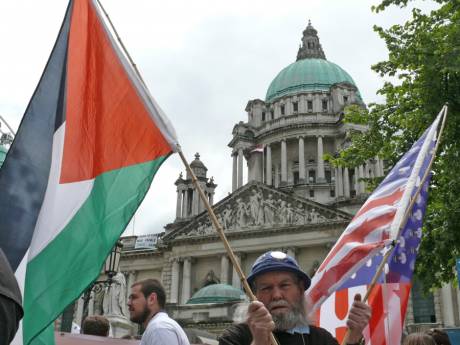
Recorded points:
(224,269)
(268,175)
(283,163)
(235,173)
(339,182)
(179,203)
(236,283)
(200,201)
(447,306)
(382,167)
(346,183)
(336,182)
(301,160)
(290,175)
(277,175)
(320,167)
(175,269)
(79,313)
(362,185)
(91,300)
(186,280)
(240,167)
(130,281)
(356,182)
(195,201)
(185,207)
(211,198)
(376,167)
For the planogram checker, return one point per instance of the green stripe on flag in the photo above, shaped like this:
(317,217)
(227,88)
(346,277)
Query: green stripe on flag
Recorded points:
(67,265)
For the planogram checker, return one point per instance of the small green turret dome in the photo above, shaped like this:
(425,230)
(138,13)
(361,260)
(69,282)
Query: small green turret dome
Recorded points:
(307,75)
(217,293)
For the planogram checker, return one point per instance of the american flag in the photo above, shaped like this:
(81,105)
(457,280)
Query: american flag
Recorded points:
(352,262)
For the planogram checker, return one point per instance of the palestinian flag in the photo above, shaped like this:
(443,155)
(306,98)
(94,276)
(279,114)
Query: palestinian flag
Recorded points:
(82,161)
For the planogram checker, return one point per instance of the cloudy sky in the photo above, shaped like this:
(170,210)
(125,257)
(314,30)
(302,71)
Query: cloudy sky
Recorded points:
(202,60)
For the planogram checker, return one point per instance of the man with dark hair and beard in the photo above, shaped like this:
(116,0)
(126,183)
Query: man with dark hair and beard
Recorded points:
(146,307)
(279,285)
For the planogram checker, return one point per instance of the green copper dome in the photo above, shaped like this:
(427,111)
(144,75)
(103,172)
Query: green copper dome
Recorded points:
(217,293)
(307,75)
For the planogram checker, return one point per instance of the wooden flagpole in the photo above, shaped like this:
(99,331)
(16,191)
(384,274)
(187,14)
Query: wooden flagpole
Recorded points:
(404,220)
(212,215)
(222,235)
(131,61)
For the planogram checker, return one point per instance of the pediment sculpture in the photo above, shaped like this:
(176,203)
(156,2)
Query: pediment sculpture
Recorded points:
(259,207)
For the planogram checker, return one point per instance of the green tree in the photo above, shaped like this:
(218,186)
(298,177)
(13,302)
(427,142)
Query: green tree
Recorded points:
(424,59)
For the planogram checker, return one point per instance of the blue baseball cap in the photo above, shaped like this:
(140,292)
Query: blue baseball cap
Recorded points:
(277,261)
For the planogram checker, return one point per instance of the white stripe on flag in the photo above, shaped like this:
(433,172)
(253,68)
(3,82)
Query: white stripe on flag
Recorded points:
(20,275)
(61,202)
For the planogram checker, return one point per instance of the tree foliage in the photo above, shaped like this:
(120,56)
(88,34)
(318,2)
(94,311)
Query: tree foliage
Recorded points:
(424,61)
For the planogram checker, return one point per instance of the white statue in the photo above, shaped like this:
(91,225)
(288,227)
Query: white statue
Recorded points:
(115,297)
(241,213)
(227,218)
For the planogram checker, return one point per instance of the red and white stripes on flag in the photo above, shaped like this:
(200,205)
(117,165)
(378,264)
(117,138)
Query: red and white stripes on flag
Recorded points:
(389,305)
(377,223)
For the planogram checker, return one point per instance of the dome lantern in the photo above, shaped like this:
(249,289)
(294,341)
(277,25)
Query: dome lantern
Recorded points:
(311,47)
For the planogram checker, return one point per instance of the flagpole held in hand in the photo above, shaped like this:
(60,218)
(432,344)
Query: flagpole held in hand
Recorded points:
(222,236)
(404,220)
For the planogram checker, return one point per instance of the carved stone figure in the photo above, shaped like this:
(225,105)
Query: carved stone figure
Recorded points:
(211,278)
(314,216)
(254,203)
(227,218)
(114,302)
(299,215)
(269,210)
(200,229)
(283,217)
(241,212)
(289,213)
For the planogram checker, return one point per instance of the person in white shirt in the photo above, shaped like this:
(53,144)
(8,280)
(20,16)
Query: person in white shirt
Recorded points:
(146,307)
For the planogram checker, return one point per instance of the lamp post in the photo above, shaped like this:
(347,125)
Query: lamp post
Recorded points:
(111,265)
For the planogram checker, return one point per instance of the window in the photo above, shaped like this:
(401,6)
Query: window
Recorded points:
(327,174)
(312,176)
(295,106)
(332,193)
(345,99)
(324,105)
(310,105)
(312,193)
(272,115)
(296,177)
(282,109)
(263,116)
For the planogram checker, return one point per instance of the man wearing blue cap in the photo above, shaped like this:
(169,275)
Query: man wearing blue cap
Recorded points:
(279,285)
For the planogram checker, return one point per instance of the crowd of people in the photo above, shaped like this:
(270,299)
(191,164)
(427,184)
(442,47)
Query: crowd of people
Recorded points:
(280,310)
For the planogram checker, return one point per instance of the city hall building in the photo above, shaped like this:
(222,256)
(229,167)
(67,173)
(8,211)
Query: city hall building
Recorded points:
(293,201)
